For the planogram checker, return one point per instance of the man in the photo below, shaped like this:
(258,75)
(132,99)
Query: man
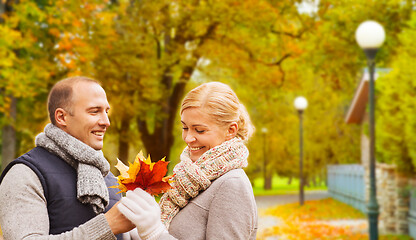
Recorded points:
(59,189)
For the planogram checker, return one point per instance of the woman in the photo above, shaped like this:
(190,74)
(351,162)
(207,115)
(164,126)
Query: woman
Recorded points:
(211,197)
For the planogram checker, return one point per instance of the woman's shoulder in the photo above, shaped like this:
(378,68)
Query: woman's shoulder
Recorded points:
(234,179)
(235,173)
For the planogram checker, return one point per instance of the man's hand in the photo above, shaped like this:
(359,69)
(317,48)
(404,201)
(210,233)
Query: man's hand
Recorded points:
(117,221)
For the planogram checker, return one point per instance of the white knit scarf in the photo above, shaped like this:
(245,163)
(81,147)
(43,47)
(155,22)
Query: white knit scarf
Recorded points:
(192,177)
(90,164)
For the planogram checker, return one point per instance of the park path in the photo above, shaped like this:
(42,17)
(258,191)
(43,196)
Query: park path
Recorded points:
(265,202)
(267,221)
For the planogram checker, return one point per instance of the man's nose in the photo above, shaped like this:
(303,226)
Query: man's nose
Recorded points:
(105,120)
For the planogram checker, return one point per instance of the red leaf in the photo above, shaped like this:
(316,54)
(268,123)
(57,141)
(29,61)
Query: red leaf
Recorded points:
(150,177)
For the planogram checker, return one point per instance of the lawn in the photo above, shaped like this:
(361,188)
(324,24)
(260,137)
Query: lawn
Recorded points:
(280,186)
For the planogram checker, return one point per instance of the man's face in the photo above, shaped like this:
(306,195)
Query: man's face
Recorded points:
(89,119)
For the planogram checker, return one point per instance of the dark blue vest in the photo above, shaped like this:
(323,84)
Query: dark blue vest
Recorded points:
(59,182)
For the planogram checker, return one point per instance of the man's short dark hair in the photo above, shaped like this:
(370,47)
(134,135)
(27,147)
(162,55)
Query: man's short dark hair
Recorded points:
(61,93)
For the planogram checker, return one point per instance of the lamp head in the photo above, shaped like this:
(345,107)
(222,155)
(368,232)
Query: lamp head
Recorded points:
(301,103)
(370,35)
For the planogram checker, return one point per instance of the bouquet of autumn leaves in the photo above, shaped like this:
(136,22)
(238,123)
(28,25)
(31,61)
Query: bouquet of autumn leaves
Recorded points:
(145,174)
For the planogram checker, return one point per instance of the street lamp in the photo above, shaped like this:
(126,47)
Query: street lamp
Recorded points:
(370,36)
(300,104)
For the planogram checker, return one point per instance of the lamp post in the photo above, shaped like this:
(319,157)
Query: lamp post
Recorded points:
(370,36)
(264,131)
(300,104)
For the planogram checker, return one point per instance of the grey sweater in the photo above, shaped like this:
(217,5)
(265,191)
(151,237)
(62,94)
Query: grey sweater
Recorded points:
(24,215)
(226,210)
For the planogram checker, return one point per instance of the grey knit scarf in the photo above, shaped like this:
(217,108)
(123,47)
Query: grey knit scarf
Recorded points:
(90,164)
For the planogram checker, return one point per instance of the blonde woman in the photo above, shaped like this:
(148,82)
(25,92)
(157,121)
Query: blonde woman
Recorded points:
(212,196)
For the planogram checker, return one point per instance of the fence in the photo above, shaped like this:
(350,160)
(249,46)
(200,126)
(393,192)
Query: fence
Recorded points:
(412,215)
(346,184)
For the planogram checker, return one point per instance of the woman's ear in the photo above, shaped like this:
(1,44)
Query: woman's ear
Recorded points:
(232,131)
(60,117)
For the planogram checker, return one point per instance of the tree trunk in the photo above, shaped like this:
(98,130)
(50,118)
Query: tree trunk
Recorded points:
(123,143)
(314,182)
(289,181)
(267,182)
(8,151)
(9,137)
(2,11)
(306,180)
(159,143)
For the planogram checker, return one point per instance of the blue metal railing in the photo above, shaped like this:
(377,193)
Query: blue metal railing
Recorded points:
(412,214)
(346,184)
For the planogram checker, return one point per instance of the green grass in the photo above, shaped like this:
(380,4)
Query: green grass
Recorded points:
(395,237)
(280,186)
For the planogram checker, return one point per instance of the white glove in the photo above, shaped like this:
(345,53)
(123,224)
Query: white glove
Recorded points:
(131,235)
(142,210)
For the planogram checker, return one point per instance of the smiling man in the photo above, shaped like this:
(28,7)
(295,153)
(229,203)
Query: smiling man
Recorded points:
(59,189)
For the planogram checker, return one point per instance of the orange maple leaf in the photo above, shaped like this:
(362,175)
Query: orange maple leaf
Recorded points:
(145,174)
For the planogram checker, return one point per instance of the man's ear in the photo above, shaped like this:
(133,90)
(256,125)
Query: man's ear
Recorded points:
(232,131)
(60,117)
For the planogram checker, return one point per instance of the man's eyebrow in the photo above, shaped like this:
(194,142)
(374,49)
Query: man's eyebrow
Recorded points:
(97,107)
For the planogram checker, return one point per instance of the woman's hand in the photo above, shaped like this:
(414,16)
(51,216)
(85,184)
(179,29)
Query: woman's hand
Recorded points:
(142,210)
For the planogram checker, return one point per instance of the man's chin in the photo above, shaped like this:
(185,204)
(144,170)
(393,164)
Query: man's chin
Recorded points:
(97,146)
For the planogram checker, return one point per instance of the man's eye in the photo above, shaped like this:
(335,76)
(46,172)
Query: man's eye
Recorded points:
(199,131)
(184,128)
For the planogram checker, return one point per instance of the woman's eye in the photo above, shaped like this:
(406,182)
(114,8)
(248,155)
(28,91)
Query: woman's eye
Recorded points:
(199,131)
(184,128)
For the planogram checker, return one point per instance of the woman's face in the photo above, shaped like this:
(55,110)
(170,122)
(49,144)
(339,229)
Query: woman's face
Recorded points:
(201,132)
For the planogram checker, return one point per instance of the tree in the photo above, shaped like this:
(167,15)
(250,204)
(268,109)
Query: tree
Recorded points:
(148,54)
(23,72)
(396,123)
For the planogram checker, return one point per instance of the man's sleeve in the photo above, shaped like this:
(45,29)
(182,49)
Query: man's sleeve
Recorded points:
(24,214)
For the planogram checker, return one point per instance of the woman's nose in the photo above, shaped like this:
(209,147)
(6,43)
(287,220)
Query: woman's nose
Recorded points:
(189,138)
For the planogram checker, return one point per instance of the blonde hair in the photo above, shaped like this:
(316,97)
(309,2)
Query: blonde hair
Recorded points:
(220,102)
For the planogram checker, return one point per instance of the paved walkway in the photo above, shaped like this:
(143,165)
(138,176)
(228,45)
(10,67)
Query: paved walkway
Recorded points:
(270,201)
(265,221)
(264,202)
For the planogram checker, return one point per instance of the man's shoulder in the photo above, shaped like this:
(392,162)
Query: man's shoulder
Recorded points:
(19,175)
(21,169)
